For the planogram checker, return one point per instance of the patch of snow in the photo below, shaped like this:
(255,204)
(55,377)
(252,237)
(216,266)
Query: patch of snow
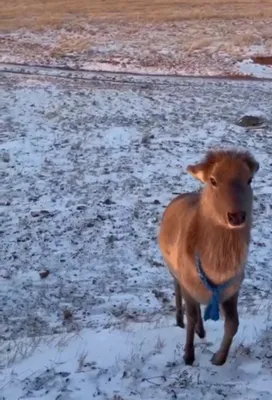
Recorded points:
(248,67)
(256,49)
(138,363)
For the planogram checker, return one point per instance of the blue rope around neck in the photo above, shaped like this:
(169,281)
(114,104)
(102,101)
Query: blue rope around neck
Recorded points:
(212,309)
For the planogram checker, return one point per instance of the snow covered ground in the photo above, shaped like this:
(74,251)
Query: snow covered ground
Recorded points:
(87,167)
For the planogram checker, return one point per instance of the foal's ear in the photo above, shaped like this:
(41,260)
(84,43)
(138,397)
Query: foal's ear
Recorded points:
(203,169)
(250,161)
(198,171)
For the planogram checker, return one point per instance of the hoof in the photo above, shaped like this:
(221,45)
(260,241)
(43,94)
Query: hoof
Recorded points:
(180,322)
(218,360)
(189,360)
(201,333)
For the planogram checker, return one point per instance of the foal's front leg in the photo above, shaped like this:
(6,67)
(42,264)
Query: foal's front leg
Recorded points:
(192,318)
(200,331)
(231,328)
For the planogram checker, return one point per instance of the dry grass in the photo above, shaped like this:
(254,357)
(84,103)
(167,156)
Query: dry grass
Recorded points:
(200,43)
(246,39)
(66,45)
(112,31)
(266,33)
(40,14)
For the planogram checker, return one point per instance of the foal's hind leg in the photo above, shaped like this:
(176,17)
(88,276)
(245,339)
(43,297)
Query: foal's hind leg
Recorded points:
(179,310)
(199,329)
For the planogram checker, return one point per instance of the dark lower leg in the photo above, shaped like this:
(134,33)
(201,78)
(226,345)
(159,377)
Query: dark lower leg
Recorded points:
(200,331)
(179,310)
(231,328)
(191,312)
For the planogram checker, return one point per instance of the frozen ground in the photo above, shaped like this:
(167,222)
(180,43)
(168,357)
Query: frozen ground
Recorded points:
(202,47)
(87,167)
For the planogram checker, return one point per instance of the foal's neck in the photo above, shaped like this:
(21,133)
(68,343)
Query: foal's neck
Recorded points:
(223,251)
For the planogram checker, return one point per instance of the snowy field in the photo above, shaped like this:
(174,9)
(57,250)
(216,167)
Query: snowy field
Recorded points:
(86,303)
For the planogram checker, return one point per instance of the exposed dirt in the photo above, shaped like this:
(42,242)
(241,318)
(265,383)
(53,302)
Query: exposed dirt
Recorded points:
(265,60)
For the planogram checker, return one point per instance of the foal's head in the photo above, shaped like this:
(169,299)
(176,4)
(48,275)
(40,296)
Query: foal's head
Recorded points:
(227,195)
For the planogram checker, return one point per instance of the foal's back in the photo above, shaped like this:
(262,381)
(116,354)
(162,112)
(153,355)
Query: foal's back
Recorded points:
(177,226)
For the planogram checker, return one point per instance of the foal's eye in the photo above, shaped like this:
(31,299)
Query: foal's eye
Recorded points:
(249,181)
(213,181)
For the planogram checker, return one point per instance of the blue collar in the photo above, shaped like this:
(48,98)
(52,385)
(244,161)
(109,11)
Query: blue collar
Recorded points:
(212,309)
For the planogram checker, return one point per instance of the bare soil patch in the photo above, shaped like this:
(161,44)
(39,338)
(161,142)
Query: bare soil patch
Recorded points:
(266,60)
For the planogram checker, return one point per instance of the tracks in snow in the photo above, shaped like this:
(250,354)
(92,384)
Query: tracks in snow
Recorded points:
(118,77)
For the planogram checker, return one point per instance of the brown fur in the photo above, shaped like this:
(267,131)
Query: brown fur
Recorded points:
(200,221)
